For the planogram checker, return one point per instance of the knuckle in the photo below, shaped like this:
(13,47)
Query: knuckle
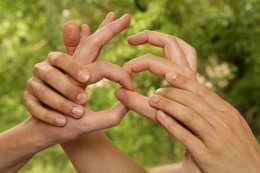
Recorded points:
(203,91)
(42,91)
(29,83)
(184,138)
(103,64)
(171,125)
(188,117)
(65,106)
(71,90)
(37,68)
(94,41)
(147,56)
(50,73)
(115,119)
(192,100)
(146,31)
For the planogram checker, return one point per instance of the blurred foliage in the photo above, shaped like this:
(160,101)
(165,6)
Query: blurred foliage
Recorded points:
(226,35)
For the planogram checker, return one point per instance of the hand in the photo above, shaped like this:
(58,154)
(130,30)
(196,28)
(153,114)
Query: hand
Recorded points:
(180,56)
(213,131)
(110,27)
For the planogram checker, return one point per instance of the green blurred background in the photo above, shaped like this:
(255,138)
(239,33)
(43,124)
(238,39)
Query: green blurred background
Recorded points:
(226,35)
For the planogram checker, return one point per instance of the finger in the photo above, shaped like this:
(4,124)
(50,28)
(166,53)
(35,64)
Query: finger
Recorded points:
(57,102)
(108,118)
(190,54)
(136,102)
(99,39)
(184,136)
(64,86)
(85,32)
(187,116)
(109,71)
(111,16)
(38,111)
(180,81)
(154,64)
(65,63)
(71,36)
(169,43)
(192,101)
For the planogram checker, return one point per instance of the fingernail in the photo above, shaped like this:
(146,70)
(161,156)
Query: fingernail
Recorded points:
(161,115)
(60,121)
(120,93)
(158,90)
(77,112)
(109,14)
(155,98)
(82,98)
(171,75)
(84,76)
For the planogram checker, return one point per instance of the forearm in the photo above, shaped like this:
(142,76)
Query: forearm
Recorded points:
(20,143)
(96,153)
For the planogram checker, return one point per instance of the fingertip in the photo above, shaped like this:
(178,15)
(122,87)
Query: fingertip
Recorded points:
(78,112)
(60,121)
(84,76)
(170,76)
(126,18)
(120,94)
(111,15)
(85,31)
(161,116)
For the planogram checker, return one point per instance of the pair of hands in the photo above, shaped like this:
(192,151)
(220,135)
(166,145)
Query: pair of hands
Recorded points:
(212,131)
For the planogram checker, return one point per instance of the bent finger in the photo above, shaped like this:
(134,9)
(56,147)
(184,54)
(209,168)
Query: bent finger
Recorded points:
(136,102)
(154,64)
(106,69)
(64,62)
(57,102)
(169,43)
(41,113)
(64,86)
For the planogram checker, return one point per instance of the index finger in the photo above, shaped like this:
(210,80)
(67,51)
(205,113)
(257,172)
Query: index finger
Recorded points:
(99,39)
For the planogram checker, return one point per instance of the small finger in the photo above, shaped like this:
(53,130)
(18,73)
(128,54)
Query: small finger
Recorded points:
(108,70)
(184,136)
(41,113)
(57,102)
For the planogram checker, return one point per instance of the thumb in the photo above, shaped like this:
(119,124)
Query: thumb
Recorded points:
(71,36)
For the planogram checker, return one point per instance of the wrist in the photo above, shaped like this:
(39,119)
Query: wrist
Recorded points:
(41,135)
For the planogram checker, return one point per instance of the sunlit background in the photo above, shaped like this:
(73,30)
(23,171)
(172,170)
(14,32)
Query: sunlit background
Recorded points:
(226,35)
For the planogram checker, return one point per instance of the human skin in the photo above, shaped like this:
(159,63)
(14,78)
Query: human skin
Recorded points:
(216,134)
(179,56)
(20,143)
(92,152)
(175,49)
